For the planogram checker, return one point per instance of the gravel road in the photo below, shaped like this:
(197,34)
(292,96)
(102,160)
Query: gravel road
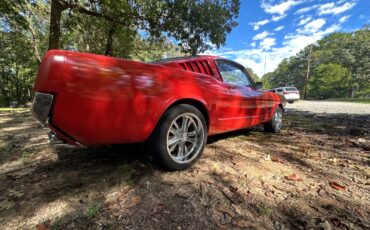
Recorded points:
(331,107)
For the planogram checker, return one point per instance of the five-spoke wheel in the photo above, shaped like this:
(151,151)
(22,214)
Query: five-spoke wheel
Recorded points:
(180,137)
(185,138)
(275,124)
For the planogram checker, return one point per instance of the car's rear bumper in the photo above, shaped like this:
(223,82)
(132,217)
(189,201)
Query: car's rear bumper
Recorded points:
(41,109)
(291,97)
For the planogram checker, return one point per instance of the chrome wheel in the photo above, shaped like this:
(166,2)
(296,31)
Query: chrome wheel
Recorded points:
(185,138)
(278,119)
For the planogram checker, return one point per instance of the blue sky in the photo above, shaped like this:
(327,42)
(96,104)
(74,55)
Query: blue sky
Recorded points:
(276,29)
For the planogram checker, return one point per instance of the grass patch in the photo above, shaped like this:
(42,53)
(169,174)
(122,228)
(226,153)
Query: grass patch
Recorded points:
(91,212)
(265,211)
(13,109)
(354,100)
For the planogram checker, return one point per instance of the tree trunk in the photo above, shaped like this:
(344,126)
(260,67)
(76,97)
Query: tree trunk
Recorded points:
(55,18)
(109,47)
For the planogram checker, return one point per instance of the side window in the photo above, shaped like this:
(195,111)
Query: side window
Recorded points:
(232,74)
(280,90)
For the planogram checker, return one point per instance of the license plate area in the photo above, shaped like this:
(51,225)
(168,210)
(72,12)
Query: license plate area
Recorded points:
(41,106)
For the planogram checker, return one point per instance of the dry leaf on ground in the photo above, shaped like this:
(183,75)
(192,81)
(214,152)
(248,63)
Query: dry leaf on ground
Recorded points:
(276,159)
(337,186)
(293,177)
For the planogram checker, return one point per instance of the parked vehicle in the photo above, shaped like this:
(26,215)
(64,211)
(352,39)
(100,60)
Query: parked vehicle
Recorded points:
(172,104)
(291,94)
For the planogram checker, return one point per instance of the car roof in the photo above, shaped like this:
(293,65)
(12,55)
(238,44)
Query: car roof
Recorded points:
(185,58)
(285,87)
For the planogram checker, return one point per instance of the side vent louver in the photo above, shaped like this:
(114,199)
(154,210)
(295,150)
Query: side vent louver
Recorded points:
(201,66)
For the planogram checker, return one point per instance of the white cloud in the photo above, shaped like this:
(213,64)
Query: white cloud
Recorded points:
(280,8)
(304,21)
(344,19)
(267,43)
(312,26)
(292,44)
(257,25)
(261,36)
(279,28)
(332,8)
(306,9)
(278,17)
(264,46)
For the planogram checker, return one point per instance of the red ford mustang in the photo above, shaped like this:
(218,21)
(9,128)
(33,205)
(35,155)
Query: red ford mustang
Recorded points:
(173,104)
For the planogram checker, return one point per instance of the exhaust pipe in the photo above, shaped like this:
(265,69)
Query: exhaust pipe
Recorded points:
(54,139)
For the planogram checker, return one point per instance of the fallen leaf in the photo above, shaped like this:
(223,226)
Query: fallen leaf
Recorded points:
(293,177)
(275,159)
(42,227)
(336,186)
(135,200)
(245,224)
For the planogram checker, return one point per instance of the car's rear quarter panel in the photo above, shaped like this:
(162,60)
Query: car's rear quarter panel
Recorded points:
(104,100)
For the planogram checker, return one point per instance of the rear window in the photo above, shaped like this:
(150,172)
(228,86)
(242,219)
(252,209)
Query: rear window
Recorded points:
(291,89)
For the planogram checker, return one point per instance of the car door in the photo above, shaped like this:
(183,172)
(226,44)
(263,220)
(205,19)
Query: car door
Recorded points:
(245,106)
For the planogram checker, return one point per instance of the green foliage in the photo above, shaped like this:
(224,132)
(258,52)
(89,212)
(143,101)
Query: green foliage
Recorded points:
(330,80)
(351,54)
(253,75)
(197,24)
(22,38)
(266,81)
(144,30)
(92,211)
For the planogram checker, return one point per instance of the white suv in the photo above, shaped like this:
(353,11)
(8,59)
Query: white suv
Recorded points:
(291,94)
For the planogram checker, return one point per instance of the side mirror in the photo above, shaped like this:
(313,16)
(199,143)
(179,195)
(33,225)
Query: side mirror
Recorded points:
(258,85)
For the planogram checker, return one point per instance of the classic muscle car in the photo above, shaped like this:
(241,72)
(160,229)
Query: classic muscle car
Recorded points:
(172,104)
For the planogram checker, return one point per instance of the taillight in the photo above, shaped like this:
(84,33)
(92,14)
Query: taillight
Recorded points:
(287,92)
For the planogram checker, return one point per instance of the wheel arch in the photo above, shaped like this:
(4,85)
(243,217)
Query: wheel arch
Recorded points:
(194,102)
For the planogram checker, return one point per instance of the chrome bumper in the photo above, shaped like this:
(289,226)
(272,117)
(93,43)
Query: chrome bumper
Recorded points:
(41,106)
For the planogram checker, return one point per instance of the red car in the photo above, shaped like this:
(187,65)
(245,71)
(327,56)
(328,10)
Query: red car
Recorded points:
(174,104)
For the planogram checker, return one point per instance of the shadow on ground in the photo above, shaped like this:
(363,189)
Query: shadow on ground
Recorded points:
(240,182)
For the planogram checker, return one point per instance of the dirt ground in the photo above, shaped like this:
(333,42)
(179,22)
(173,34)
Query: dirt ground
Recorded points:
(315,174)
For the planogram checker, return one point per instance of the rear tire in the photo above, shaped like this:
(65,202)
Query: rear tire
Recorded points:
(276,122)
(180,137)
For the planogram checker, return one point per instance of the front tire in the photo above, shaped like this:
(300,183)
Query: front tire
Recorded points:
(180,137)
(276,122)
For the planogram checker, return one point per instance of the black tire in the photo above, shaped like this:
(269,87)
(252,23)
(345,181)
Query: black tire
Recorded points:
(290,102)
(275,125)
(162,134)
